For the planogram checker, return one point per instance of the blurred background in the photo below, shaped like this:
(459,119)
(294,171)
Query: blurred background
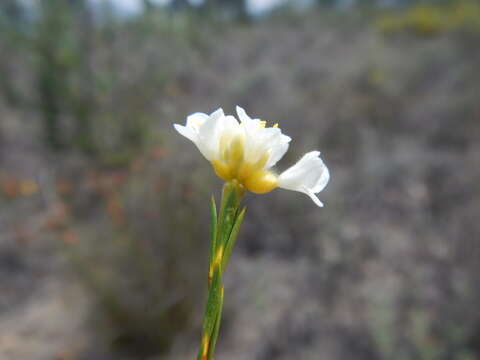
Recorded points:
(103,207)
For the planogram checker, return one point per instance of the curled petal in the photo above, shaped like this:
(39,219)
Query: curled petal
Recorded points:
(204,131)
(309,176)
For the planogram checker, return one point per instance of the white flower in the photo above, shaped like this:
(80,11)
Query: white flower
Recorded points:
(247,150)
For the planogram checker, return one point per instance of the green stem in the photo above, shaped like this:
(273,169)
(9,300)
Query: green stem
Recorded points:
(225,228)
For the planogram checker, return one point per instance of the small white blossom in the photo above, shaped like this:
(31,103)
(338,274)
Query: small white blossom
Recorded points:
(246,150)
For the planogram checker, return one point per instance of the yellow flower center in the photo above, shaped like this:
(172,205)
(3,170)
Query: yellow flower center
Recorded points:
(233,165)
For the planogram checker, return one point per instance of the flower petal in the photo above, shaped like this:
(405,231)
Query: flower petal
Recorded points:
(278,148)
(230,126)
(204,131)
(242,115)
(309,176)
(196,120)
(187,132)
(314,197)
(209,133)
(261,139)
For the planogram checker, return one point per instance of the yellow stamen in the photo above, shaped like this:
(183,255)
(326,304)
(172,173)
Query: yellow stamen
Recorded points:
(263,123)
(275,125)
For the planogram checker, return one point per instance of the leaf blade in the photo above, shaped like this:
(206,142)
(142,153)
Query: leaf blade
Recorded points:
(232,238)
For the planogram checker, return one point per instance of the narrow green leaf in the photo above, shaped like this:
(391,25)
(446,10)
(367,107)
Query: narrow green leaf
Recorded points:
(230,243)
(216,329)
(228,214)
(213,303)
(213,230)
(227,194)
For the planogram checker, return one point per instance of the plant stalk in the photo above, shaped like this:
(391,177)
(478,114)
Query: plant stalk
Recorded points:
(224,232)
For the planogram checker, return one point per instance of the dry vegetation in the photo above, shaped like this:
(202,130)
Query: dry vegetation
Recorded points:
(103,240)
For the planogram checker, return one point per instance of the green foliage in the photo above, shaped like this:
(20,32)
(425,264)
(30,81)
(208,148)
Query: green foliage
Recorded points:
(213,227)
(433,19)
(54,53)
(224,234)
(88,98)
